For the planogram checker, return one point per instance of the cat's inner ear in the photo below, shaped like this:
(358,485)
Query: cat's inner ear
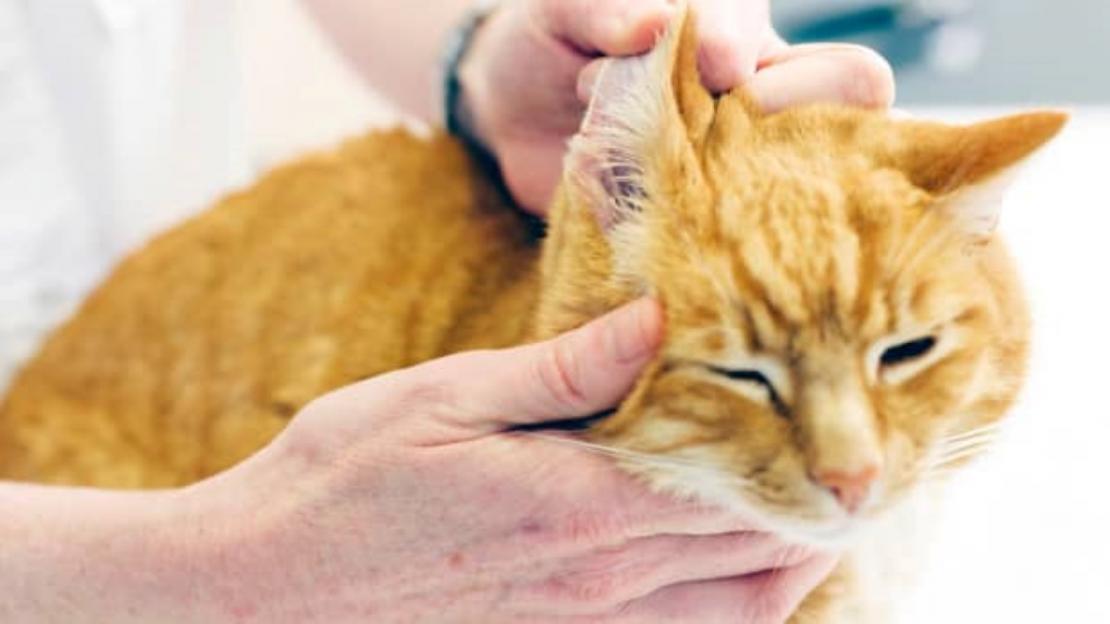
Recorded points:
(643,114)
(969,168)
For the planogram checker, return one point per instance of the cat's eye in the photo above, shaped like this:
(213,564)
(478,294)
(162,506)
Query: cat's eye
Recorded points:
(907,351)
(753,377)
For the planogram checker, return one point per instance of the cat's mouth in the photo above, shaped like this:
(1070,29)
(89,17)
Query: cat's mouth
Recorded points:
(813,519)
(823,529)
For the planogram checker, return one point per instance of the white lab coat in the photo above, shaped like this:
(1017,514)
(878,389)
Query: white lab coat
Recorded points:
(117,118)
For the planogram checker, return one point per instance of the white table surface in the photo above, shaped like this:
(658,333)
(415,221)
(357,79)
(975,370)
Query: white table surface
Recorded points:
(1024,534)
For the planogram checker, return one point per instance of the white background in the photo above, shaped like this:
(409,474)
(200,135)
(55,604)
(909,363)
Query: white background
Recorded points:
(1024,537)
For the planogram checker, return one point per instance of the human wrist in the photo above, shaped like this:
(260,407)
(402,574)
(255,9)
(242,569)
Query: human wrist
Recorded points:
(213,552)
(279,542)
(233,532)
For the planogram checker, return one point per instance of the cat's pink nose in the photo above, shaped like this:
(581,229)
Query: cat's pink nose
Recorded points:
(851,488)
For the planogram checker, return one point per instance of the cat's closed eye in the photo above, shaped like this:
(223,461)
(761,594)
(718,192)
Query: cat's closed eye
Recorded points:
(753,378)
(908,351)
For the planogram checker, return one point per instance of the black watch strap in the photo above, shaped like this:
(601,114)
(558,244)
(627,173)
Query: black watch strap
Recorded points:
(457,119)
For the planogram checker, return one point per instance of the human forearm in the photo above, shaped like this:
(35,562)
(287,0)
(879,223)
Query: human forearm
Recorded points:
(80,555)
(395,46)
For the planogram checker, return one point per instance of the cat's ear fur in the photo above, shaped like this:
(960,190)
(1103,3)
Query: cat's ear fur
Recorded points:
(645,114)
(969,168)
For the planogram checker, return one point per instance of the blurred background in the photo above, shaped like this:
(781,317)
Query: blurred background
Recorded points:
(971,51)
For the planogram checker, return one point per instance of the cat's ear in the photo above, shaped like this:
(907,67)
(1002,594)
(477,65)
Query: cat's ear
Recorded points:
(969,168)
(643,116)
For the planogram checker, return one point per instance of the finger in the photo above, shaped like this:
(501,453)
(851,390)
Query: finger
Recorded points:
(601,581)
(731,37)
(609,27)
(838,73)
(768,597)
(772,46)
(668,560)
(578,374)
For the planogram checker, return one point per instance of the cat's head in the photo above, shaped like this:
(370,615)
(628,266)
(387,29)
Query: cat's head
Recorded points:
(842,322)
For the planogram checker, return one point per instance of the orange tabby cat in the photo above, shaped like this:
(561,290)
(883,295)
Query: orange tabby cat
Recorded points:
(843,325)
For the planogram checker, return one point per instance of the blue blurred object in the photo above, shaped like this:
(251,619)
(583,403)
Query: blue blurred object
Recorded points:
(904,32)
(971,51)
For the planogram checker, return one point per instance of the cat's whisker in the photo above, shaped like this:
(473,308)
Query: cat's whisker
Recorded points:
(960,454)
(985,437)
(972,440)
(952,447)
(956,457)
(940,461)
(950,459)
(992,428)
(968,444)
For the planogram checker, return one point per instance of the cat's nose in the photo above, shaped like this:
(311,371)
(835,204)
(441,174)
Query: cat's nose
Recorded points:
(850,487)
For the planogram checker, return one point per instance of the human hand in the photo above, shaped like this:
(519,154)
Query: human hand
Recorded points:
(403,498)
(527,76)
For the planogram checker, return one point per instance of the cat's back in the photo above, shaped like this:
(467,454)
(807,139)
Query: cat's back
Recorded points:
(388,251)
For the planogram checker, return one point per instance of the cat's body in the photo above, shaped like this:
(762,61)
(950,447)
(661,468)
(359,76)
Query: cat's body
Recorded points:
(202,345)
(842,325)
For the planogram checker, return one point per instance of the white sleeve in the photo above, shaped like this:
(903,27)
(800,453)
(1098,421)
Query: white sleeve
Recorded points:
(49,247)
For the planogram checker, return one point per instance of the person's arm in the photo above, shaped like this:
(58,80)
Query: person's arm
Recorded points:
(402,499)
(395,45)
(84,555)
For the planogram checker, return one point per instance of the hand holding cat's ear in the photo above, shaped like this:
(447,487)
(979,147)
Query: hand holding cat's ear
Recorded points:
(531,68)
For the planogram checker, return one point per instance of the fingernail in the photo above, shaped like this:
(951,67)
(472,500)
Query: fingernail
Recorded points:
(636,330)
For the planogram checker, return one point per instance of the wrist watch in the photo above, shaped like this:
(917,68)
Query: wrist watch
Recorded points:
(457,118)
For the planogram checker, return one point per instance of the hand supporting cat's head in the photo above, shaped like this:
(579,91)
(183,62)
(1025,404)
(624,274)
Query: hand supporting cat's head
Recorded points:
(843,323)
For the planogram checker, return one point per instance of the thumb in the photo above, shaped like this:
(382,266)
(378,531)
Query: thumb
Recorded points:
(577,374)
